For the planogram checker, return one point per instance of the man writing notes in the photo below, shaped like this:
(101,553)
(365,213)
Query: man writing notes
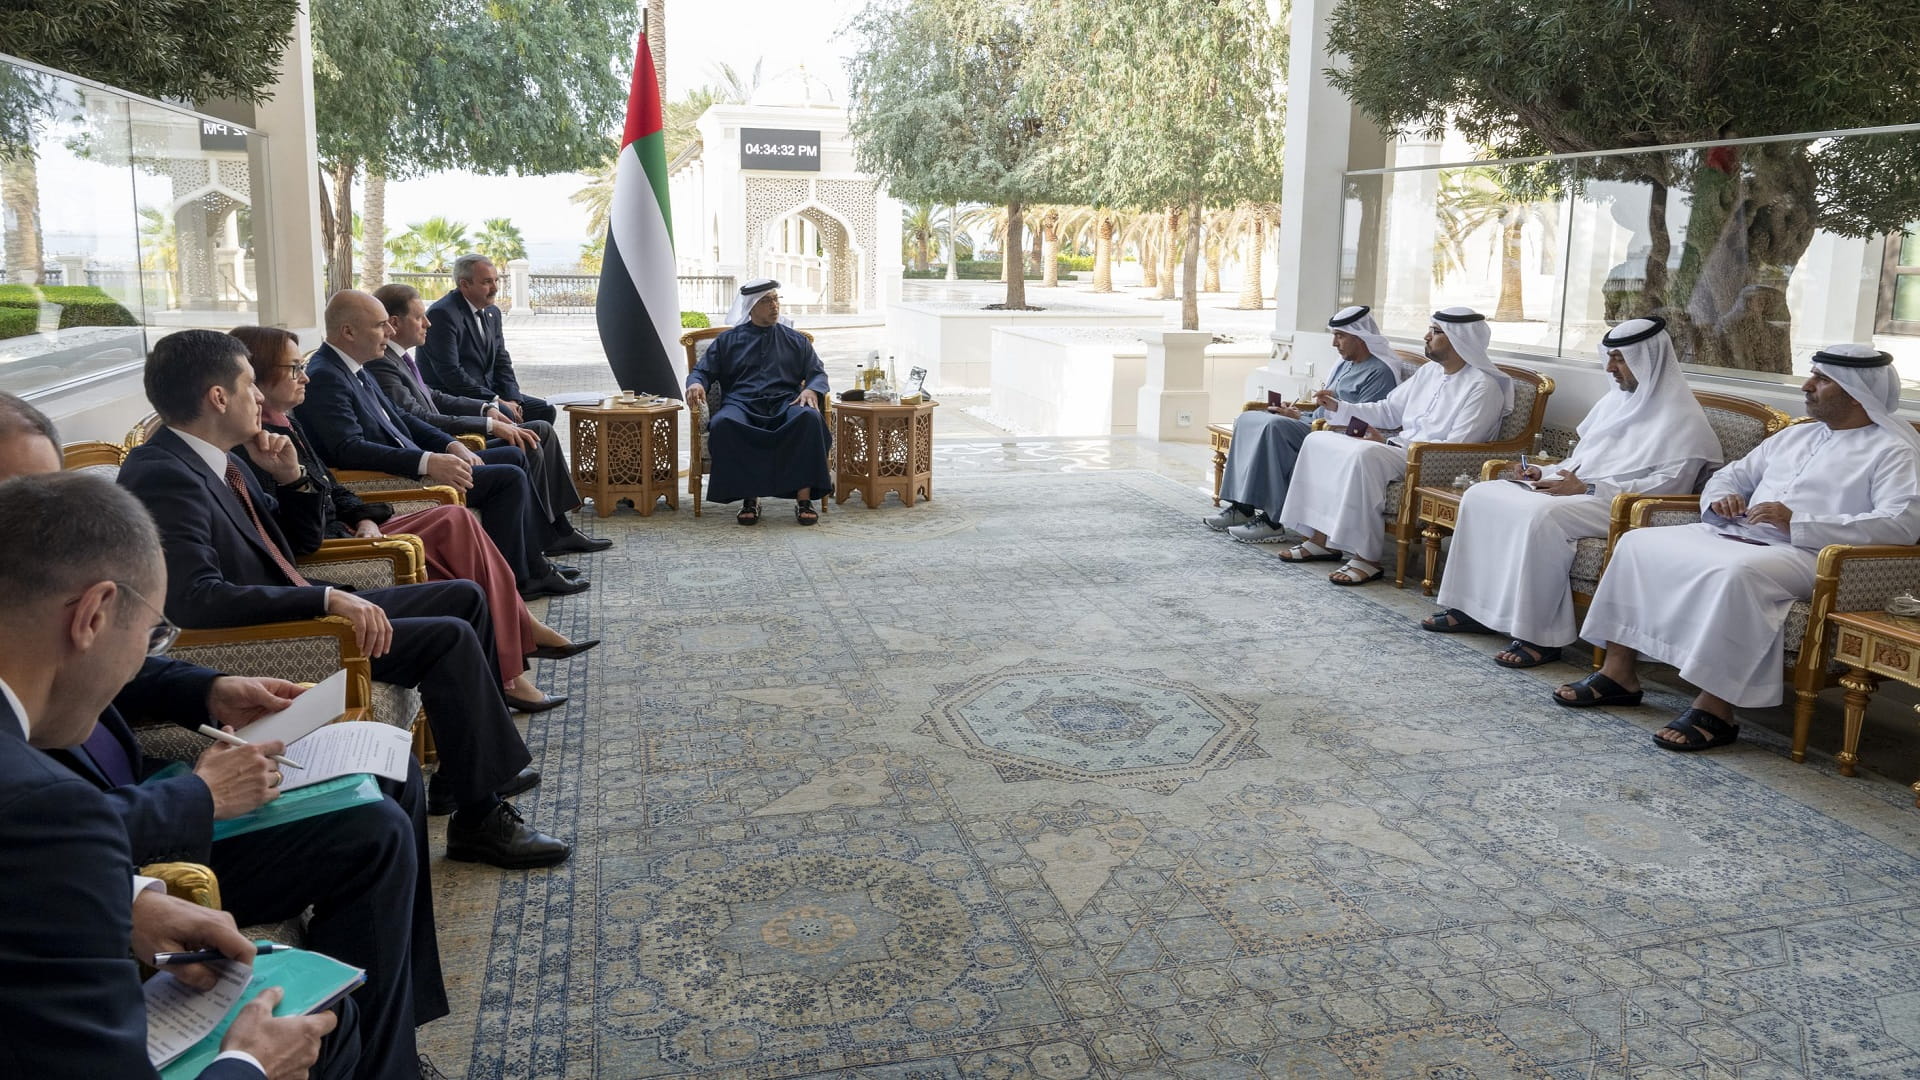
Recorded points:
(79,562)
(1266,444)
(466,350)
(230,563)
(1341,480)
(1515,544)
(767,436)
(1712,598)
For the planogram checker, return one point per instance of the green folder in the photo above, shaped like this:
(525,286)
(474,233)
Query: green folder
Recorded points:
(339,793)
(311,981)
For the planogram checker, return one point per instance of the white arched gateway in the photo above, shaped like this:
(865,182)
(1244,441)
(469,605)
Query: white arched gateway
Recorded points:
(771,191)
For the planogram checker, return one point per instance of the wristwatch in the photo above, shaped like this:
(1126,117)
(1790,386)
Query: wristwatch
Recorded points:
(301,483)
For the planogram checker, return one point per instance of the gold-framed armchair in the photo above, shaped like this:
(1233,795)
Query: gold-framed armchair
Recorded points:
(1437,464)
(1847,577)
(1220,436)
(699,460)
(197,884)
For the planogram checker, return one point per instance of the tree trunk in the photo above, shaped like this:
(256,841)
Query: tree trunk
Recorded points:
(920,255)
(1149,264)
(1050,250)
(1103,256)
(1033,255)
(340,267)
(1169,254)
(953,242)
(1512,306)
(1653,288)
(1253,295)
(373,232)
(1190,272)
(657,41)
(1210,280)
(20,196)
(326,222)
(1010,263)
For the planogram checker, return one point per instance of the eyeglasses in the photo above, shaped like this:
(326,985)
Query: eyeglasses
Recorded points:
(294,369)
(161,635)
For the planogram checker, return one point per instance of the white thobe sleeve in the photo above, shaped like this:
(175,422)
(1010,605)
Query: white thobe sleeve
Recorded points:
(1740,477)
(1385,413)
(1474,417)
(1673,479)
(1894,477)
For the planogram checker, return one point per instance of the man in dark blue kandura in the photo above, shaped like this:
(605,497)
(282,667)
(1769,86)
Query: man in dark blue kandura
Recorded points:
(767,435)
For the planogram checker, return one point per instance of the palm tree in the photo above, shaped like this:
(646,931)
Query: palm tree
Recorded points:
(592,254)
(733,87)
(1049,239)
(373,230)
(656,26)
(160,249)
(1472,199)
(923,228)
(1261,219)
(430,246)
(500,241)
(992,220)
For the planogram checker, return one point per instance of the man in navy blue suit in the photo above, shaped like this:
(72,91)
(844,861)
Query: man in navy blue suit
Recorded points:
(466,351)
(359,868)
(230,563)
(78,558)
(355,425)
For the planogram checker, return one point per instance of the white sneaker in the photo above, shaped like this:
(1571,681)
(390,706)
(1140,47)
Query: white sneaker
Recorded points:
(1260,531)
(1226,519)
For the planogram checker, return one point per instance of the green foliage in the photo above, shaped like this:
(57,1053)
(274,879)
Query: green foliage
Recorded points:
(191,49)
(980,270)
(592,254)
(17,322)
(500,241)
(429,246)
(80,305)
(945,101)
(694,320)
(1070,263)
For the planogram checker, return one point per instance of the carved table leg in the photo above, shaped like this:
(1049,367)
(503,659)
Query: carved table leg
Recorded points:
(1430,544)
(1219,473)
(1860,687)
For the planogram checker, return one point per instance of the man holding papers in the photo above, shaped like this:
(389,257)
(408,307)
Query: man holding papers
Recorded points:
(1515,542)
(363,869)
(77,557)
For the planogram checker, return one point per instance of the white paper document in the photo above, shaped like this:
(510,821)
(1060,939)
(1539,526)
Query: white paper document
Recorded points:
(309,712)
(359,746)
(179,1016)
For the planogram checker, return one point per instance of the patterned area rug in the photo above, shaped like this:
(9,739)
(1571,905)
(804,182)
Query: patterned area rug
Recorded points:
(1041,780)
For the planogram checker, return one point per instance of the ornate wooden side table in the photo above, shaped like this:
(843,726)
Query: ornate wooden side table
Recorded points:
(880,448)
(626,452)
(1436,511)
(1874,645)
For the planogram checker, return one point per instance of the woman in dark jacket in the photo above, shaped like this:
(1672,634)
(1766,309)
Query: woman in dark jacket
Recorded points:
(456,546)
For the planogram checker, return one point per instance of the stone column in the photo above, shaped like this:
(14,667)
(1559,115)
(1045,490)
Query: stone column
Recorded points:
(518,285)
(286,228)
(1173,400)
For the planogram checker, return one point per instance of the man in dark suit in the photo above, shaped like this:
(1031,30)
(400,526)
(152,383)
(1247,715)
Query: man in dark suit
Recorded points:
(229,563)
(466,351)
(363,870)
(398,373)
(355,426)
(77,558)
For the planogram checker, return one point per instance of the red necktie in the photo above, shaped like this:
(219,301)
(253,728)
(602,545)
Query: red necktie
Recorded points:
(239,486)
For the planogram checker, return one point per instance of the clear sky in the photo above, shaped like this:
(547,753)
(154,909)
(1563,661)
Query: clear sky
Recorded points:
(699,36)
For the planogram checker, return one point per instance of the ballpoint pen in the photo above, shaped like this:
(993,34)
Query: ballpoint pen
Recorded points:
(202,956)
(231,739)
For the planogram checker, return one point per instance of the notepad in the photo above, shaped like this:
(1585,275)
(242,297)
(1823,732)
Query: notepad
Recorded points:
(310,980)
(312,800)
(319,706)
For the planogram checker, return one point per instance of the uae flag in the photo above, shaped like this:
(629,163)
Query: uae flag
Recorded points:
(639,305)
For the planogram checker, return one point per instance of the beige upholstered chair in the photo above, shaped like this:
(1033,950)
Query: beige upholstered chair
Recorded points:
(1847,577)
(699,461)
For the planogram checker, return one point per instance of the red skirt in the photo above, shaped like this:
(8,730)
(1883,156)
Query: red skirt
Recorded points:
(458,548)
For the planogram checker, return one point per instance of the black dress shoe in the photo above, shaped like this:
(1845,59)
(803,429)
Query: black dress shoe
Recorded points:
(563,652)
(568,571)
(554,584)
(524,780)
(578,543)
(547,701)
(502,838)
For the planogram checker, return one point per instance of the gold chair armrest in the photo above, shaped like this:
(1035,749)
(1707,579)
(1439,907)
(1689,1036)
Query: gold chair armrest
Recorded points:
(404,551)
(1493,467)
(346,647)
(473,442)
(186,881)
(439,494)
(81,455)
